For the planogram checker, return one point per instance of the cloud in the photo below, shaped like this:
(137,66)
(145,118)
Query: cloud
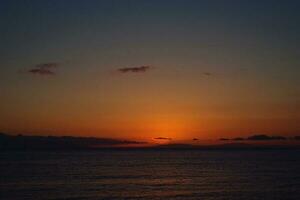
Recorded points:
(224,139)
(162,138)
(44,69)
(256,138)
(207,73)
(195,139)
(41,71)
(296,138)
(238,139)
(265,137)
(140,69)
(60,142)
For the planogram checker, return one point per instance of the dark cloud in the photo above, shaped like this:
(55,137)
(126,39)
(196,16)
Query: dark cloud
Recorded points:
(41,71)
(162,138)
(296,138)
(256,138)
(195,139)
(265,137)
(207,73)
(224,139)
(63,142)
(44,69)
(140,69)
(238,139)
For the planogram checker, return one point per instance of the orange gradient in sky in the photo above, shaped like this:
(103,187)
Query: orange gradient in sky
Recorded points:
(145,70)
(146,106)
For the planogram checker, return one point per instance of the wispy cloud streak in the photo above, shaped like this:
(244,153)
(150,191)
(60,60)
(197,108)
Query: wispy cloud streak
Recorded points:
(162,138)
(207,73)
(44,69)
(260,137)
(140,69)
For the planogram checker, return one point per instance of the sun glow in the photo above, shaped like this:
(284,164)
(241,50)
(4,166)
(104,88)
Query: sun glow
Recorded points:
(170,128)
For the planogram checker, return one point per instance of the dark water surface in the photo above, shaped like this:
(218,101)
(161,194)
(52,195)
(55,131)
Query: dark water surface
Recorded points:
(151,174)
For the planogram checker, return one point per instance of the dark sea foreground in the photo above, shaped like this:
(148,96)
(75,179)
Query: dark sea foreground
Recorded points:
(151,174)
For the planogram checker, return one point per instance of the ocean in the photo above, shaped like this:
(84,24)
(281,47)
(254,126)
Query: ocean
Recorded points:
(151,175)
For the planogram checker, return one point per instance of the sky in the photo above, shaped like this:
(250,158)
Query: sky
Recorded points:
(142,70)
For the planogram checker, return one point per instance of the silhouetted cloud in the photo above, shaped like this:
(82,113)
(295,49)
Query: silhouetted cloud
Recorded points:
(63,142)
(44,69)
(256,138)
(139,69)
(238,139)
(195,139)
(224,139)
(163,138)
(41,71)
(207,73)
(265,137)
(296,138)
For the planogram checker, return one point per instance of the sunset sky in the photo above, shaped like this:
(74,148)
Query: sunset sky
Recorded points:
(140,69)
